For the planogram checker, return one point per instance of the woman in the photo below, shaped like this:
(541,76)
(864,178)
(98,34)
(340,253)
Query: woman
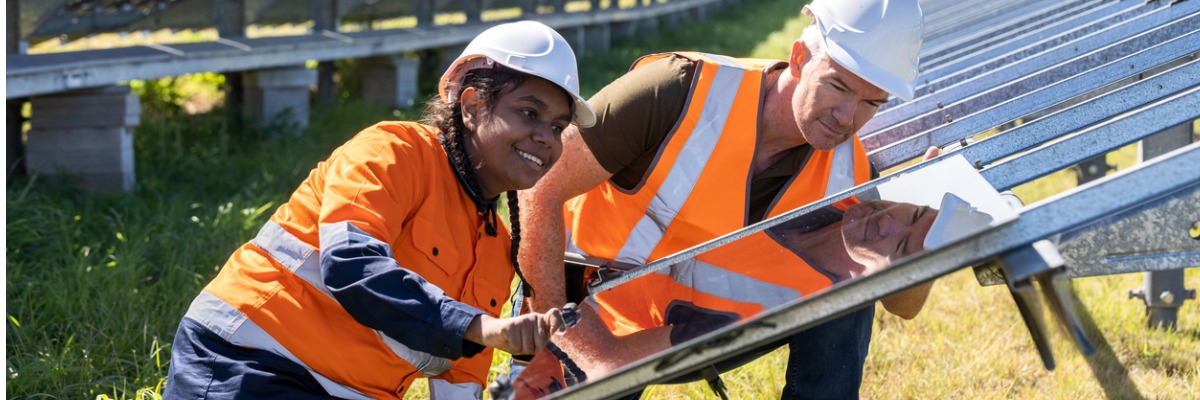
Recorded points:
(388,263)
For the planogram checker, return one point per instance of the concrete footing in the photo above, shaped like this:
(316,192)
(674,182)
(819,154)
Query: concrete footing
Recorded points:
(85,135)
(391,80)
(279,95)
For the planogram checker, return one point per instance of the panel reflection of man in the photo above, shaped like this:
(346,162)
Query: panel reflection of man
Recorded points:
(876,233)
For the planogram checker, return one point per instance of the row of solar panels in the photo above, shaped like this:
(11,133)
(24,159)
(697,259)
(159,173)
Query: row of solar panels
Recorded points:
(1062,82)
(36,74)
(46,19)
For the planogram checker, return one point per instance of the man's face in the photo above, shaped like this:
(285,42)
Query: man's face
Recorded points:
(878,232)
(831,103)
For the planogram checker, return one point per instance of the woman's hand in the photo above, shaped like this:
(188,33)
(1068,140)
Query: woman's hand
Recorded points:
(526,334)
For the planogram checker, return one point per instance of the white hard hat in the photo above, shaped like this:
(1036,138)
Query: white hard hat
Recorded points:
(956,219)
(878,40)
(527,46)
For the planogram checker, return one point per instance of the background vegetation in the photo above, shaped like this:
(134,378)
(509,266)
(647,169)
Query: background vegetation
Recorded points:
(97,283)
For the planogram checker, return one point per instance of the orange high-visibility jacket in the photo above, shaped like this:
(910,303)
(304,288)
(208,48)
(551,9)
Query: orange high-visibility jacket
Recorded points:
(698,189)
(394,182)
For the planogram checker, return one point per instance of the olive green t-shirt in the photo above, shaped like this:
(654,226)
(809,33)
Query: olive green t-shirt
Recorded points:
(634,115)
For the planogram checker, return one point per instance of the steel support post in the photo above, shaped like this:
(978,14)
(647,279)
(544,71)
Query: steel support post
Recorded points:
(13,28)
(325,19)
(230,18)
(424,11)
(14,138)
(474,10)
(1163,292)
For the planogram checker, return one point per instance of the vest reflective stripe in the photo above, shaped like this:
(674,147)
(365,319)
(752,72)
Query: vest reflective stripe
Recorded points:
(304,261)
(828,173)
(442,389)
(683,174)
(716,281)
(233,326)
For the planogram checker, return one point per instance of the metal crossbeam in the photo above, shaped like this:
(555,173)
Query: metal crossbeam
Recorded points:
(1078,31)
(948,23)
(1089,143)
(1026,75)
(1052,126)
(29,75)
(1013,101)
(1172,174)
(1150,238)
(1005,30)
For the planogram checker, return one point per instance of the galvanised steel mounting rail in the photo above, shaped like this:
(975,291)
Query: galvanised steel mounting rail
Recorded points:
(1172,174)
(1028,73)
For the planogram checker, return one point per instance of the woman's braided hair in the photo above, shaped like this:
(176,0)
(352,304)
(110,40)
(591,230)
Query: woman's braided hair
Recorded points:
(489,83)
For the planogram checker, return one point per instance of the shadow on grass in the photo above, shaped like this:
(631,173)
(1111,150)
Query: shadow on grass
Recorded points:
(1112,376)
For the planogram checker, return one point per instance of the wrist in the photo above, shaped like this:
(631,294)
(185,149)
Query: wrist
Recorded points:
(475,330)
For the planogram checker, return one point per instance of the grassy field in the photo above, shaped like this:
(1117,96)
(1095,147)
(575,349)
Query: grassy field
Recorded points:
(96,284)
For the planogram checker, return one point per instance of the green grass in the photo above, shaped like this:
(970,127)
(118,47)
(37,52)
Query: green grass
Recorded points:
(97,283)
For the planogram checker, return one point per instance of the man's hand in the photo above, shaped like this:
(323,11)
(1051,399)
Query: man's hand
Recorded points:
(931,152)
(908,304)
(526,334)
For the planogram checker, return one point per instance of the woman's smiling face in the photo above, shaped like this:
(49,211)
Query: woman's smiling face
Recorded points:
(513,144)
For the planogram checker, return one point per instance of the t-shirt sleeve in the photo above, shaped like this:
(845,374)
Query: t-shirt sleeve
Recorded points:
(636,112)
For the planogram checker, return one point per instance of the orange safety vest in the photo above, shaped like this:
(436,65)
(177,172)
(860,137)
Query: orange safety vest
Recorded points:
(697,190)
(393,181)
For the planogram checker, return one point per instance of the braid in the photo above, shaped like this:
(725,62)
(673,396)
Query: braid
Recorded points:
(514,221)
(459,158)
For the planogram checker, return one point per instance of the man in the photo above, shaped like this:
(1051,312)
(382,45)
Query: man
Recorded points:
(689,147)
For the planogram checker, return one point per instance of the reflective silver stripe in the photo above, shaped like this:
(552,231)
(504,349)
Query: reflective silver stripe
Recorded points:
(688,166)
(223,319)
(305,262)
(841,172)
(289,251)
(715,281)
(442,389)
(424,362)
